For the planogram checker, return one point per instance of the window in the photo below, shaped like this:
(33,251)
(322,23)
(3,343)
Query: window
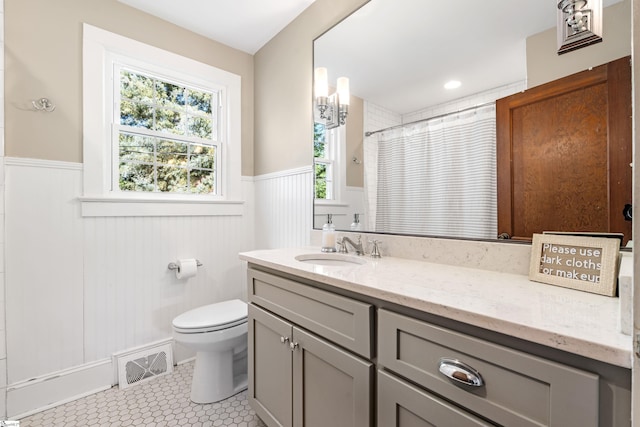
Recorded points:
(329,152)
(328,162)
(323,165)
(330,191)
(166,136)
(161,131)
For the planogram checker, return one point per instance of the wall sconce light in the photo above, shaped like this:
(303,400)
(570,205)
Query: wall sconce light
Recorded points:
(579,24)
(335,107)
(43,104)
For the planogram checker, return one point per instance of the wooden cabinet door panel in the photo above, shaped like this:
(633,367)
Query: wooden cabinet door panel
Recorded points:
(564,154)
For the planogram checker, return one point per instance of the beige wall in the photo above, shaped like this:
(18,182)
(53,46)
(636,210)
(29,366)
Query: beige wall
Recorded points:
(283,80)
(545,65)
(43,54)
(43,45)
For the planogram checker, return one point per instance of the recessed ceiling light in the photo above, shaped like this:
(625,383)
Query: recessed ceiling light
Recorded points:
(453,84)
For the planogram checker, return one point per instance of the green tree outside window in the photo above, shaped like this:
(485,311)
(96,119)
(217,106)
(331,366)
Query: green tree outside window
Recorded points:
(149,163)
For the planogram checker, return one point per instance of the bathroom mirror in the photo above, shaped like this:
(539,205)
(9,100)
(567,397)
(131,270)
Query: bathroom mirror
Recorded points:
(398,54)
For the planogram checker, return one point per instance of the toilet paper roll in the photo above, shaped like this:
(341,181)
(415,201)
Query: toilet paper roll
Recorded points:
(186,268)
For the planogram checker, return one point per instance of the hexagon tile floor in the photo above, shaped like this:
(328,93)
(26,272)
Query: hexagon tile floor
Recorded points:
(160,402)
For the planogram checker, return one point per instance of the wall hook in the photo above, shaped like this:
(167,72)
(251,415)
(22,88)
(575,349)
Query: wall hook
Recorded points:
(43,104)
(356,161)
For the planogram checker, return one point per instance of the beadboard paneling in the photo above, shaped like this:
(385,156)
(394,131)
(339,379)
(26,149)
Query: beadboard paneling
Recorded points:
(131,296)
(43,277)
(80,289)
(284,207)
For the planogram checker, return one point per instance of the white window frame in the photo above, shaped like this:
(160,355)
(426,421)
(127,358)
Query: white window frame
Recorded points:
(337,206)
(102,50)
(329,151)
(217,140)
(336,144)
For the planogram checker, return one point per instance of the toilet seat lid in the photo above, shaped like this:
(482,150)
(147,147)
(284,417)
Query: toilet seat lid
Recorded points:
(218,314)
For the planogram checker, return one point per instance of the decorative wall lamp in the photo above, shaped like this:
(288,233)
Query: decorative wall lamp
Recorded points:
(335,107)
(579,24)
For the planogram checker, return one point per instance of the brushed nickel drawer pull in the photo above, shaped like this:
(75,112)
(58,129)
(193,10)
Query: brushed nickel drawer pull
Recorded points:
(460,372)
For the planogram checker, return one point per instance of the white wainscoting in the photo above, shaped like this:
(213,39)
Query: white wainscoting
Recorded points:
(79,289)
(44,295)
(131,296)
(28,397)
(284,208)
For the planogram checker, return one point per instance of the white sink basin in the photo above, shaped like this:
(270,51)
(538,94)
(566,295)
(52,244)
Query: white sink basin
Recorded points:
(331,259)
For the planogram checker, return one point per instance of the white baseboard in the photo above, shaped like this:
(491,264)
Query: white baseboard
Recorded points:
(38,394)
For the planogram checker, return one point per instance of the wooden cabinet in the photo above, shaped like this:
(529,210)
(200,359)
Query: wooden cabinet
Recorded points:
(564,151)
(297,378)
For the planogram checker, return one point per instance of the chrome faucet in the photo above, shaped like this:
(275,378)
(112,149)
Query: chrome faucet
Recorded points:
(375,251)
(356,246)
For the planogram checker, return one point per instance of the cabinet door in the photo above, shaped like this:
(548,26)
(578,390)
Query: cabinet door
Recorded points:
(331,386)
(403,405)
(563,154)
(270,364)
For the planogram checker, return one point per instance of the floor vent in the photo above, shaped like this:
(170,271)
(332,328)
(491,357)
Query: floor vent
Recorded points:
(143,364)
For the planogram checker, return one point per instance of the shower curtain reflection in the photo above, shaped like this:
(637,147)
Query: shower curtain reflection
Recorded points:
(434,177)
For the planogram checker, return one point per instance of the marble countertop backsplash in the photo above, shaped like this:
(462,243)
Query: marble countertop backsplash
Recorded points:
(504,257)
(479,283)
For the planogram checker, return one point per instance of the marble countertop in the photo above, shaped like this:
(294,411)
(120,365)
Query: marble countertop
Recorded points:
(577,322)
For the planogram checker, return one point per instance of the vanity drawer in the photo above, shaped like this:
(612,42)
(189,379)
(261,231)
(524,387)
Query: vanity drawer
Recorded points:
(401,404)
(519,389)
(344,321)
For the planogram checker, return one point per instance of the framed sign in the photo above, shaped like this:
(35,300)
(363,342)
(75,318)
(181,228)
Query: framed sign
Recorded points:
(587,264)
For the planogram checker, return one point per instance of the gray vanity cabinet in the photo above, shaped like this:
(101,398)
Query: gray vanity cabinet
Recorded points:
(401,404)
(500,384)
(270,368)
(312,363)
(297,377)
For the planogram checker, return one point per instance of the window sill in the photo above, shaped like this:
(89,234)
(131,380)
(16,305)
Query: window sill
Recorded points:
(335,208)
(332,203)
(103,206)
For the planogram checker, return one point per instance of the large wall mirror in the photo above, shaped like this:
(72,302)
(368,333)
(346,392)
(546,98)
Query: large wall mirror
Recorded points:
(398,56)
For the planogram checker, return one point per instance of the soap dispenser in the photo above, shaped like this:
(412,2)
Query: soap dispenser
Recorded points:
(329,236)
(355,225)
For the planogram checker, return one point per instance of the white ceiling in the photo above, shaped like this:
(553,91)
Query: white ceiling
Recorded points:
(397,53)
(400,53)
(246,25)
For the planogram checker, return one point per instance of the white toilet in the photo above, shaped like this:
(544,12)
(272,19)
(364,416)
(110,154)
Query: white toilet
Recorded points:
(218,334)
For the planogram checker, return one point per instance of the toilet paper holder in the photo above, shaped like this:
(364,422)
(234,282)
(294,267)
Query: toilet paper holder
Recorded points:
(174,265)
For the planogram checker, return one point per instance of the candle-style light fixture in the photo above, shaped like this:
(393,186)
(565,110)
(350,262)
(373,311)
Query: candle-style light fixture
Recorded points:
(333,108)
(579,24)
